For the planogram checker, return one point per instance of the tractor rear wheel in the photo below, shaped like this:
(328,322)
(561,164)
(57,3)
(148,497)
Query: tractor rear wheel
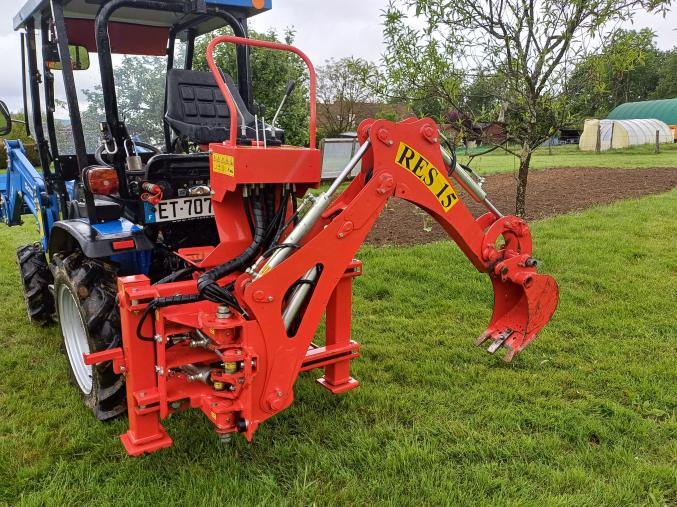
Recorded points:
(36,279)
(85,293)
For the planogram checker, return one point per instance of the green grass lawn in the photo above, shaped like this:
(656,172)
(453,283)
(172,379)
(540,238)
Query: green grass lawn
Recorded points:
(585,417)
(636,157)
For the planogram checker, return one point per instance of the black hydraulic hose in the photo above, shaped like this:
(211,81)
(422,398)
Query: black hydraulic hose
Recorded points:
(284,205)
(295,208)
(207,283)
(176,276)
(162,303)
(248,212)
(293,219)
(452,152)
(269,193)
(275,248)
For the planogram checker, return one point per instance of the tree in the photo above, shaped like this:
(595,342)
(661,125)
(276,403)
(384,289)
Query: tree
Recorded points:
(626,69)
(271,70)
(19,133)
(140,87)
(418,68)
(666,88)
(530,44)
(479,97)
(343,86)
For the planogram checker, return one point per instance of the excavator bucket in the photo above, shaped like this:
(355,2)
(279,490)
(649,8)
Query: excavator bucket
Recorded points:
(523,304)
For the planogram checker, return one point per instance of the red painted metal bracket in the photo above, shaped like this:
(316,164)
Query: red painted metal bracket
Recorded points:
(116,355)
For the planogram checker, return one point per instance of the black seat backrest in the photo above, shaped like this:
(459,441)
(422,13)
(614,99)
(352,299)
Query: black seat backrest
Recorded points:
(196,108)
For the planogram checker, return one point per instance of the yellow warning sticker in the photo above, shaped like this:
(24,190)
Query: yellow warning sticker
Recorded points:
(41,225)
(428,174)
(224,164)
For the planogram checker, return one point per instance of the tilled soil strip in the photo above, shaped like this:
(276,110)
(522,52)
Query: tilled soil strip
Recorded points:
(550,192)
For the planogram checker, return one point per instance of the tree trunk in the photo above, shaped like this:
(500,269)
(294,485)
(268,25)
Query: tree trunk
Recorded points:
(522,177)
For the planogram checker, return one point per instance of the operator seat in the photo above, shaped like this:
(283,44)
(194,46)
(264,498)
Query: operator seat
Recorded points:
(197,110)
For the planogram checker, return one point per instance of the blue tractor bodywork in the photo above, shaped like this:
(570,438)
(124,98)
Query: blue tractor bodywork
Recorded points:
(51,195)
(23,190)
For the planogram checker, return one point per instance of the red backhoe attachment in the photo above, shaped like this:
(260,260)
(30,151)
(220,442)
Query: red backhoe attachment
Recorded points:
(237,360)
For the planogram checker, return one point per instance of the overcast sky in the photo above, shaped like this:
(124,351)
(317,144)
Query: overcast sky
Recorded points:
(324,30)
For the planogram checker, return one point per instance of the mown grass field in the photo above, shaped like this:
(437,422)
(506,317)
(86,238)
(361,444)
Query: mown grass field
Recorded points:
(585,417)
(635,157)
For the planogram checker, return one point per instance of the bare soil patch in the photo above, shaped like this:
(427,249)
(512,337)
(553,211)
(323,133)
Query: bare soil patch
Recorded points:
(550,192)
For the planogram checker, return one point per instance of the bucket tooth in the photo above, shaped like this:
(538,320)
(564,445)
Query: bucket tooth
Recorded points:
(482,338)
(509,355)
(499,341)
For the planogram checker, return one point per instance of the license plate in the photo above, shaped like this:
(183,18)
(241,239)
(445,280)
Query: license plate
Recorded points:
(185,208)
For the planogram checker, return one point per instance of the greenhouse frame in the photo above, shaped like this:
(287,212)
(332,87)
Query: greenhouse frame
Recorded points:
(616,134)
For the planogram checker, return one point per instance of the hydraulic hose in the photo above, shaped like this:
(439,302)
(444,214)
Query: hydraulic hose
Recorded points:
(279,220)
(207,283)
(162,303)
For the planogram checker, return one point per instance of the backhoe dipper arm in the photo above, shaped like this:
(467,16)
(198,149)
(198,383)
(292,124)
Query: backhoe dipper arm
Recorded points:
(404,161)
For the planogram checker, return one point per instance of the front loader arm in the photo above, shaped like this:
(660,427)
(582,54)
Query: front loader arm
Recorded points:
(404,161)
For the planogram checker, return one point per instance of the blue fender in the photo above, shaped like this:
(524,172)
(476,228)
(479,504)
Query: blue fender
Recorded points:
(98,241)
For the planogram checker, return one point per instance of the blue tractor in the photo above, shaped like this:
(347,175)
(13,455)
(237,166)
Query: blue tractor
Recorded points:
(124,207)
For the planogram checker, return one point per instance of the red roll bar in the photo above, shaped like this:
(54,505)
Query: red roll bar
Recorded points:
(268,45)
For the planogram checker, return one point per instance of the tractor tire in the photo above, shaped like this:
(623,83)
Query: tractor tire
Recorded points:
(85,294)
(36,279)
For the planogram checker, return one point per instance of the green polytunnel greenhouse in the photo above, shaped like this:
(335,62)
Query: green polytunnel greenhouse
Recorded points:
(663,110)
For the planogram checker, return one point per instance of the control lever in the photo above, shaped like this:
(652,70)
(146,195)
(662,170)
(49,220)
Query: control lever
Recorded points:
(291,86)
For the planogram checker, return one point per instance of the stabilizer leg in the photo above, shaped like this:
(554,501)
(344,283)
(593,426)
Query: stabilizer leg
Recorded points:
(146,433)
(337,377)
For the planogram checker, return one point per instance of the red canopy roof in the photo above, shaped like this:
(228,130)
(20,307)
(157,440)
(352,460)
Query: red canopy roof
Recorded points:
(125,38)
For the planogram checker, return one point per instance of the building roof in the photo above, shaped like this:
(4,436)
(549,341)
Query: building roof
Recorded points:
(664,110)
